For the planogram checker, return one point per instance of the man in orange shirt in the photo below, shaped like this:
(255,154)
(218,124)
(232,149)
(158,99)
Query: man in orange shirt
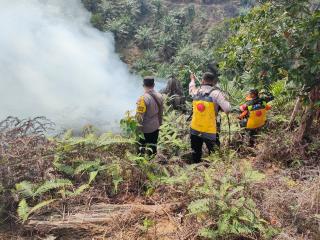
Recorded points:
(254,113)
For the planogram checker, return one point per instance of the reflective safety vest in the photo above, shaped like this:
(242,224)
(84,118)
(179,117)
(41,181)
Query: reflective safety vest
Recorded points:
(257,114)
(204,122)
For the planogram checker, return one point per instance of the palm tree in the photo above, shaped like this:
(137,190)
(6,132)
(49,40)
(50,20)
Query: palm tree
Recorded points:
(143,36)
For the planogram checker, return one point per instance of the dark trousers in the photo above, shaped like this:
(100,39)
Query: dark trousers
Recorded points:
(252,135)
(196,145)
(148,145)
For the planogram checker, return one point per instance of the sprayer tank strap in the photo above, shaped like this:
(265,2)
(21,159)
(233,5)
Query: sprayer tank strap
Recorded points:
(208,93)
(158,104)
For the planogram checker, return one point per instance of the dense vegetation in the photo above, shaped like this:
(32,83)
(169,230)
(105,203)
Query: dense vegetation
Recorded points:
(271,191)
(160,37)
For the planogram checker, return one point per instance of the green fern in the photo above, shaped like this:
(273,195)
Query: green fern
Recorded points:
(235,94)
(77,192)
(24,211)
(52,184)
(225,204)
(64,168)
(173,131)
(282,96)
(68,134)
(115,171)
(199,206)
(92,176)
(250,175)
(109,139)
(25,188)
(208,233)
(40,205)
(81,189)
(86,166)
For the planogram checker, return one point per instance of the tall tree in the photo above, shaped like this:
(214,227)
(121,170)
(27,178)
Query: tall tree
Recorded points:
(276,40)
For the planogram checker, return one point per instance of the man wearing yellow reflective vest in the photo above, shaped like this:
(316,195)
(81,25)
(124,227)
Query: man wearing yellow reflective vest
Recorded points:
(254,113)
(208,99)
(149,115)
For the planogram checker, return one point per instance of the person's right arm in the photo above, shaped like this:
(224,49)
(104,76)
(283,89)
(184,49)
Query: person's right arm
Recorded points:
(192,86)
(222,102)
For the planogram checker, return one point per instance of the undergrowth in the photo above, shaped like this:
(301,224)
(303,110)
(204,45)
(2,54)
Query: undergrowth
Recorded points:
(232,194)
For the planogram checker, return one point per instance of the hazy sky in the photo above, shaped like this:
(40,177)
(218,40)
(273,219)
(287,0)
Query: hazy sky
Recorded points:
(53,63)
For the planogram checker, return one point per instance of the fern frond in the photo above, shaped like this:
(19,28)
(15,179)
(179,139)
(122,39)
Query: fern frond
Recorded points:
(25,188)
(208,233)
(40,205)
(64,168)
(116,183)
(77,192)
(23,210)
(92,176)
(199,206)
(106,140)
(234,192)
(87,166)
(68,134)
(52,184)
(81,189)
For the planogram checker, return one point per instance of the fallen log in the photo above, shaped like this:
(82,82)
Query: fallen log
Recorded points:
(96,215)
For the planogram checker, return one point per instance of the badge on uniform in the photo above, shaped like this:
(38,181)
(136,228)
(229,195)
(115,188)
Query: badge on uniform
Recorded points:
(141,105)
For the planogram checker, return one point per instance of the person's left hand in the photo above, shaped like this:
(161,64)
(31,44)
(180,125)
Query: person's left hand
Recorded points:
(192,77)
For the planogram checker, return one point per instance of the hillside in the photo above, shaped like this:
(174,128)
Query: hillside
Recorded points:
(153,36)
(262,183)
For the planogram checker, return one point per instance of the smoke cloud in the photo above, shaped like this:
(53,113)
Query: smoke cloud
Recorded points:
(54,64)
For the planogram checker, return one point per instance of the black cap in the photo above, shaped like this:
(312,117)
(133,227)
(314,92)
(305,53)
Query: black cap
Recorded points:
(213,67)
(148,81)
(210,77)
(254,92)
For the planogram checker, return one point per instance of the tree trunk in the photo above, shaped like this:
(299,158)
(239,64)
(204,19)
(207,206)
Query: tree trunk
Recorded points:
(83,219)
(309,115)
(295,111)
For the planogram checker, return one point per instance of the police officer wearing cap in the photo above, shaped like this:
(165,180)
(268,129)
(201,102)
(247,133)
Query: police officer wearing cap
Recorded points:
(149,114)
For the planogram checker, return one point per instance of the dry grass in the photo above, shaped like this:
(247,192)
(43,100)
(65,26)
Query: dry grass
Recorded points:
(294,205)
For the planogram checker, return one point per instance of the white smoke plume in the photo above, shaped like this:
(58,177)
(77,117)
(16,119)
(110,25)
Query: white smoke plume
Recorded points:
(54,64)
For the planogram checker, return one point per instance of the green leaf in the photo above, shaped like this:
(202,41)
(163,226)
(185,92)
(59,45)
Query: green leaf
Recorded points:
(23,210)
(223,224)
(52,184)
(25,188)
(78,191)
(199,206)
(234,192)
(87,166)
(40,205)
(253,176)
(208,233)
(92,176)
(116,183)
(64,168)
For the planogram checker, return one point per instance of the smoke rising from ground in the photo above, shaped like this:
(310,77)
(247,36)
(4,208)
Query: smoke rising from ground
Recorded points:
(54,64)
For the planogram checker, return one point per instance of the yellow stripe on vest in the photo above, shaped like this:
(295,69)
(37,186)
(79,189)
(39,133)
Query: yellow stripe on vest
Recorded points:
(204,117)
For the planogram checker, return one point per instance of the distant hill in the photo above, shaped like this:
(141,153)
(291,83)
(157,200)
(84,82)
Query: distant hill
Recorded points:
(149,34)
